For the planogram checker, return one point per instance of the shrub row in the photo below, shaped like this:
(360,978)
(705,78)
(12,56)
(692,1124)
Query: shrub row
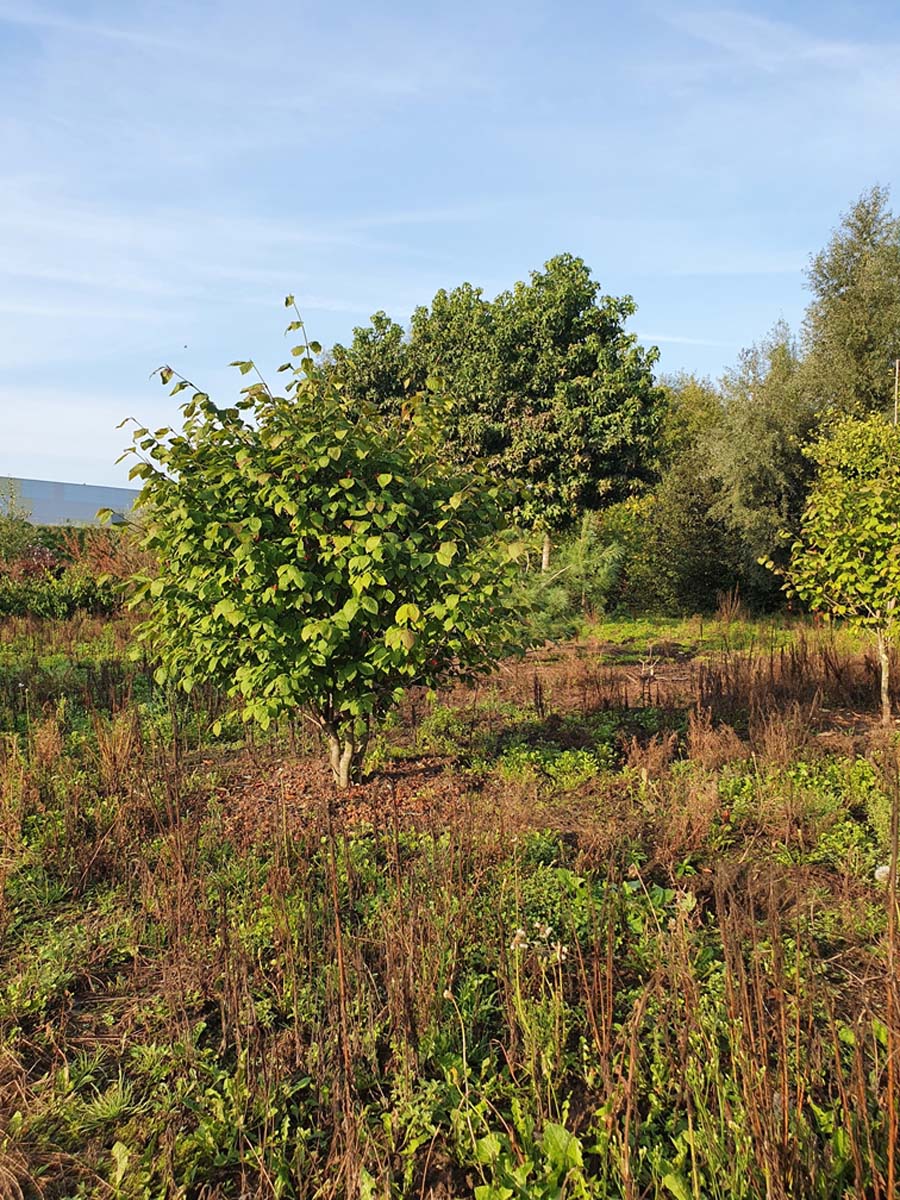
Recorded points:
(60,595)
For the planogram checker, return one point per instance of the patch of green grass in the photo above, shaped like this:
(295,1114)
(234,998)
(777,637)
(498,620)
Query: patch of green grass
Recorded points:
(637,638)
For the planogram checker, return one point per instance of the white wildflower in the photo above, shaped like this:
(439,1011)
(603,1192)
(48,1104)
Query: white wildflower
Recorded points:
(520,940)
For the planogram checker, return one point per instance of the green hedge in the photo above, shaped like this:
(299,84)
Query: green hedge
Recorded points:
(58,596)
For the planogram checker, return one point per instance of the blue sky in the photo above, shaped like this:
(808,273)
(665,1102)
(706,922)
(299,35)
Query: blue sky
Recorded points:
(170,170)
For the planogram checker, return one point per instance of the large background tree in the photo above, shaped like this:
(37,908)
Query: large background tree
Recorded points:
(683,556)
(692,410)
(677,552)
(756,453)
(852,325)
(542,383)
(733,477)
(376,367)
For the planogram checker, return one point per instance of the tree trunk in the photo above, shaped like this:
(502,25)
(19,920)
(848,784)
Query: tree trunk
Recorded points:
(334,753)
(885,660)
(346,755)
(545,554)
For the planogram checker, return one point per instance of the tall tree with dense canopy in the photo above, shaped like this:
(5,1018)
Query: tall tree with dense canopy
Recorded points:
(318,555)
(846,561)
(542,383)
(756,452)
(852,326)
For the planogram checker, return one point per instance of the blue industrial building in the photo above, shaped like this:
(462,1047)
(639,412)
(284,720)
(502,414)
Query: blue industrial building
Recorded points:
(50,503)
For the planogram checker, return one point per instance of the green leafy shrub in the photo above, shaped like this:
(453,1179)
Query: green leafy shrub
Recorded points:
(318,557)
(552,900)
(48,595)
(675,555)
(845,562)
(444,731)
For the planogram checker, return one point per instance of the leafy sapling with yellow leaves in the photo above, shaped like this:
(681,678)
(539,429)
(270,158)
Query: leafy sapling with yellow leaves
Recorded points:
(846,561)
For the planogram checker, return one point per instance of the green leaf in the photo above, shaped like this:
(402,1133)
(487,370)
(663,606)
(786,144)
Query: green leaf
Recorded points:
(120,1156)
(488,1149)
(562,1148)
(676,1183)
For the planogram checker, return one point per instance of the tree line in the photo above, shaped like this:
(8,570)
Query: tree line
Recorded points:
(683,482)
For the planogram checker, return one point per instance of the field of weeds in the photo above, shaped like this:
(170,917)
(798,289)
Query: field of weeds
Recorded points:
(616,923)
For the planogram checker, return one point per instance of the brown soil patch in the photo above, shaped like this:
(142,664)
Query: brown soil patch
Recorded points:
(300,796)
(266,796)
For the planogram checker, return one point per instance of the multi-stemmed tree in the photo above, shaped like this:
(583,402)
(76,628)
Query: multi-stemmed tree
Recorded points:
(317,554)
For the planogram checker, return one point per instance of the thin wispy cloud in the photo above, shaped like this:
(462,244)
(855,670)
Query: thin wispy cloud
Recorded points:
(32,17)
(458,215)
(765,43)
(30,308)
(676,339)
